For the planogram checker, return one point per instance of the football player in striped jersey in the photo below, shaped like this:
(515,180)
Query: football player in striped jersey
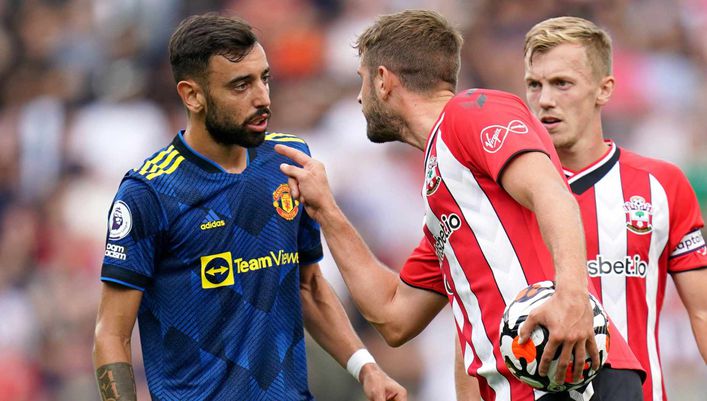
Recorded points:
(641,217)
(499,215)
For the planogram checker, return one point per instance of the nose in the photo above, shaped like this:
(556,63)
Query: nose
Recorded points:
(546,100)
(358,98)
(262,95)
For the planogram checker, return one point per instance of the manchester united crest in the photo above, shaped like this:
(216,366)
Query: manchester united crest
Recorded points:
(639,215)
(285,206)
(432,178)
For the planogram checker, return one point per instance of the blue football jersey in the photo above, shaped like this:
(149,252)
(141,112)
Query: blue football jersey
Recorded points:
(217,256)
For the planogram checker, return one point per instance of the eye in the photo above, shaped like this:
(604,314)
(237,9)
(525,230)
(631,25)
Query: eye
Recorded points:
(533,84)
(561,83)
(266,78)
(240,87)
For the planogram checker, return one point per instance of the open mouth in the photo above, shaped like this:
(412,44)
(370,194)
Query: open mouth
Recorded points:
(258,123)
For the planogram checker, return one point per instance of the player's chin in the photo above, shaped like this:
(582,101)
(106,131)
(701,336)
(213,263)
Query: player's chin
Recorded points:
(254,139)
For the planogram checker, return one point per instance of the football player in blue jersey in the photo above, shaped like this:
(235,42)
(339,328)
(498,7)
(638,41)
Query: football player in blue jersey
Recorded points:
(207,246)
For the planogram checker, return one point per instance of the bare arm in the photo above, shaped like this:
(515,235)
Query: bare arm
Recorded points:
(467,387)
(396,310)
(532,180)
(111,351)
(326,321)
(691,287)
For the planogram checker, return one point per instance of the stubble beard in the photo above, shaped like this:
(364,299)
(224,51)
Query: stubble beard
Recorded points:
(381,125)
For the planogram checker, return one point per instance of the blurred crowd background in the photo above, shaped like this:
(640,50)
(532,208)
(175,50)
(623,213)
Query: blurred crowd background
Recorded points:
(86,93)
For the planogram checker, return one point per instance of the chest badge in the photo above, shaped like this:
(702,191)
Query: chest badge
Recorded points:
(432,178)
(639,215)
(284,204)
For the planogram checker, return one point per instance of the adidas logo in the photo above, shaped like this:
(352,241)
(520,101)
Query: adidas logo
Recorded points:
(211,221)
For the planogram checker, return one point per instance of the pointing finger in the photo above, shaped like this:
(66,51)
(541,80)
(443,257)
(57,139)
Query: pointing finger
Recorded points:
(294,187)
(295,154)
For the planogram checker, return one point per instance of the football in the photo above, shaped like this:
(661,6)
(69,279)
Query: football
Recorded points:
(524,360)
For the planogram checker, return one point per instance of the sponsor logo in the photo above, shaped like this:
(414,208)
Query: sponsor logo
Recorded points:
(217,270)
(628,267)
(212,224)
(691,242)
(285,206)
(449,224)
(211,221)
(432,178)
(120,221)
(115,251)
(493,136)
(639,215)
(280,258)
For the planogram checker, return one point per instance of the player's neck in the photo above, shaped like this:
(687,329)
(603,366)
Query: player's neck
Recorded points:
(583,153)
(420,113)
(231,158)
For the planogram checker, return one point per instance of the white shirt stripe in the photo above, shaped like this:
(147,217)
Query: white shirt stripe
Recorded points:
(659,239)
(611,231)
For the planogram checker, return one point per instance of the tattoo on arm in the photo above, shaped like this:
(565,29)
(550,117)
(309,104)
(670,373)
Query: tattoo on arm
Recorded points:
(116,382)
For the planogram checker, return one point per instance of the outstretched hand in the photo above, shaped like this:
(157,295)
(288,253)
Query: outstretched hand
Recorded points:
(569,319)
(378,386)
(308,183)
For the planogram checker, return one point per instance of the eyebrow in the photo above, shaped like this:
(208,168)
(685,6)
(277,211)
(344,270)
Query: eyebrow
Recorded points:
(246,78)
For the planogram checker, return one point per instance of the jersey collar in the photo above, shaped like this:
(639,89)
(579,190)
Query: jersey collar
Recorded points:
(201,161)
(586,178)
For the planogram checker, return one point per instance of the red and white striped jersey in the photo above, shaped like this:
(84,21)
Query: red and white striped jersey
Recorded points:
(641,221)
(481,247)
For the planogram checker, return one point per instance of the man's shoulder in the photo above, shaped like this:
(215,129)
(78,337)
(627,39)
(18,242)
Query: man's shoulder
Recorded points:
(660,169)
(287,139)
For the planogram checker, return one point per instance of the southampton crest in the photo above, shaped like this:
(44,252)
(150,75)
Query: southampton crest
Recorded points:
(432,178)
(639,215)
(285,206)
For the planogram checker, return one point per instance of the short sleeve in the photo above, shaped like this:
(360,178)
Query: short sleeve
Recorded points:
(309,240)
(135,225)
(309,235)
(421,270)
(490,128)
(686,243)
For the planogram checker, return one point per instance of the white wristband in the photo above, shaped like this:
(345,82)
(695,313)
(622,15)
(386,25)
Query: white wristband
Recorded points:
(357,360)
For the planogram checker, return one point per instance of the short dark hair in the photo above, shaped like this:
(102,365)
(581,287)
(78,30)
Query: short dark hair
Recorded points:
(199,37)
(420,46)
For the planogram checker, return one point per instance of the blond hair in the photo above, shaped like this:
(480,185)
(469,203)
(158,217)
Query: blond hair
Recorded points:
(420,46)
(553,32)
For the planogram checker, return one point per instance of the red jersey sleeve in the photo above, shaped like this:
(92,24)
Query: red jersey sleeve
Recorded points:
(421,270)
(686,244)
(490,128)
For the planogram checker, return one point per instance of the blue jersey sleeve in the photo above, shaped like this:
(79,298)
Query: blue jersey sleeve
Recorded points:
(135,225)
(309,236)
(309,240)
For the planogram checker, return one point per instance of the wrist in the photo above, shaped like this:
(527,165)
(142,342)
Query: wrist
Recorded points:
(358,360)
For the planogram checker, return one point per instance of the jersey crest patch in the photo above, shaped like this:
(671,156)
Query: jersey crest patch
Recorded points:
(639,215)
(120,221)
(432,178)
(493,136)
(285,206)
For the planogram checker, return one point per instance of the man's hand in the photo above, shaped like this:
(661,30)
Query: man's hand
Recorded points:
(308,183)
(378,386)
(569,318)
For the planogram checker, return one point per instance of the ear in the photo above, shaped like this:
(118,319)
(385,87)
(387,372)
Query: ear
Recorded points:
(192,95)
(385,81)
(606,88)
